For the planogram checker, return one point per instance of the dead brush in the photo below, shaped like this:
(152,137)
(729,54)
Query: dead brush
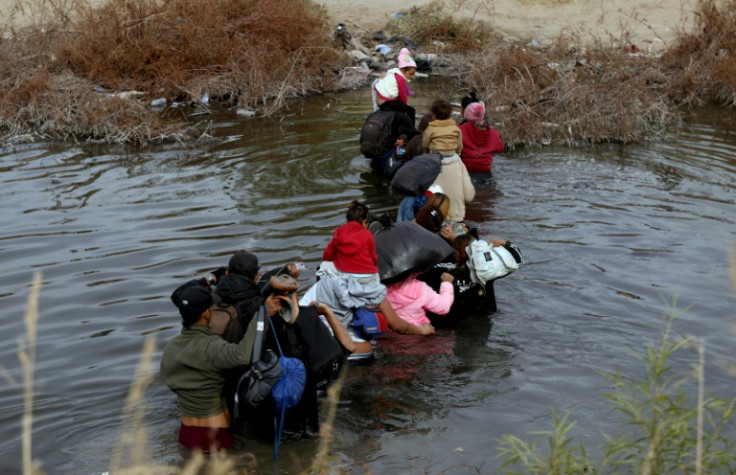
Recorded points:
(554,96)
(239,52)
(702,66)
(432,23)
(166,47)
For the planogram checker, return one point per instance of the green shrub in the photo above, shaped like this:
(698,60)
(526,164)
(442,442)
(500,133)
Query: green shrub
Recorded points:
(667,431)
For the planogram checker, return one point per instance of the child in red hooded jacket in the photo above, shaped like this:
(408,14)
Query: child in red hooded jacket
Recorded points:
(352,248)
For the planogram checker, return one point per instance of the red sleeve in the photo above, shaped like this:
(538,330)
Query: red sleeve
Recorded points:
(403,88)
(330,253)
(496,143)
(372,248)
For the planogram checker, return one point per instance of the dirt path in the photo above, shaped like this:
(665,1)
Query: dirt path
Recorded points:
(650,23)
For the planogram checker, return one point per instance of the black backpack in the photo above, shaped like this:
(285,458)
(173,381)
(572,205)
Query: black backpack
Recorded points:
(376,135)
(417,175)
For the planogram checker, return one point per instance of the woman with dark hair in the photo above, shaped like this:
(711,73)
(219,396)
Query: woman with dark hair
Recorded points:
(430,218)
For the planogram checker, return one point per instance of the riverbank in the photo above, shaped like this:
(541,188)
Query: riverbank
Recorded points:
(565,72)
(652,24)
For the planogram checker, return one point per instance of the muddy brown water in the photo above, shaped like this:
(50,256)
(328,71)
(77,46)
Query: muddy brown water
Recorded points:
(611,236)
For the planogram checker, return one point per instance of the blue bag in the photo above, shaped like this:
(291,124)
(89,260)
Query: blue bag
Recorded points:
(289,387)
(286,392)
(369,324)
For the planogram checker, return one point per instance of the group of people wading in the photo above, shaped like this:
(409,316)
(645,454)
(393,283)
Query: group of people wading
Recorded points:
(400,275)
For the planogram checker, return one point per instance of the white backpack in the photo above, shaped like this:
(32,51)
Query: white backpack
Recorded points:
(488,263)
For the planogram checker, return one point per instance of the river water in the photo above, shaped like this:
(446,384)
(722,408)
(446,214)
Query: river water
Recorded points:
(612,235)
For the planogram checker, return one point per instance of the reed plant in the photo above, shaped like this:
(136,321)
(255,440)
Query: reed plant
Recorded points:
(666,428)
(702,67)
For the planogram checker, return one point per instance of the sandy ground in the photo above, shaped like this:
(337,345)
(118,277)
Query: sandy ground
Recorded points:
(650,24)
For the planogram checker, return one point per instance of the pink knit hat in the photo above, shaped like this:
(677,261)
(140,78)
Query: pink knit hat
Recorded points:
(405,59)
(475,112)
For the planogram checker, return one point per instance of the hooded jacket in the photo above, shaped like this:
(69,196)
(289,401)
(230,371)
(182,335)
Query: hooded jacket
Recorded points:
(242,292)
(352,249)
(412,298)
(393,86)
(455,183)
(443,136)
(479,145)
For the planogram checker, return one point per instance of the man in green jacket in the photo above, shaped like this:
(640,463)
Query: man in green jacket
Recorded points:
(193,363)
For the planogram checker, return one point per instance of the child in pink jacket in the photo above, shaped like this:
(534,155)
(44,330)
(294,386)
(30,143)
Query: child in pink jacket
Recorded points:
(411,298)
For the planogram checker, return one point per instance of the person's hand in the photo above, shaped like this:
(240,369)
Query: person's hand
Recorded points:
(445,277)
(218,273)
(426,329)
(320,307)
(273,304)
(497,242)
(448,232)
(294,270)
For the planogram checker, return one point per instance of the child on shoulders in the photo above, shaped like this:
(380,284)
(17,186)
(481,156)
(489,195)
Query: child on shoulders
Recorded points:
(352,248)
(442,134)
(391,91)
(352,251)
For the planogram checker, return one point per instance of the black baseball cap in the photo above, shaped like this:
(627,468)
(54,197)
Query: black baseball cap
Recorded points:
(193,301)
(243,263)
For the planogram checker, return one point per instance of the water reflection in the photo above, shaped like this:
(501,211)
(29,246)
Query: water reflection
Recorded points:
(610,235)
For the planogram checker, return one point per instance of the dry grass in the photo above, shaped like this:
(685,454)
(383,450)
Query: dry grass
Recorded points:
(255,54)
(702,65)
(559,96)
(237,52)
(433,25)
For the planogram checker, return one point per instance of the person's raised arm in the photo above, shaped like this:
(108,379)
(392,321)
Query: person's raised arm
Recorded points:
(440,303)
(400,325)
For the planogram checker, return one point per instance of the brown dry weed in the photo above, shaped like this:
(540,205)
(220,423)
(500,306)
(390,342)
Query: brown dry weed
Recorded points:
(560,96)
(63,74)
(702,65)
(244,53)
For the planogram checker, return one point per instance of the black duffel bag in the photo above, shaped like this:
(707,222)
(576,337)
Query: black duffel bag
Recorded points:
(407,247)
(417,175)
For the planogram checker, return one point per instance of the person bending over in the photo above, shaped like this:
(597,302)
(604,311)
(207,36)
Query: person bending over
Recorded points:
(411,298)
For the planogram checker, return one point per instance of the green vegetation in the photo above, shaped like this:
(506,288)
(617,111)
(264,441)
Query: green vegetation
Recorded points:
(667,431)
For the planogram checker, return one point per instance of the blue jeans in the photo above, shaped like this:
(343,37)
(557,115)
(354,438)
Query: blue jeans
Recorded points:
(406,209)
